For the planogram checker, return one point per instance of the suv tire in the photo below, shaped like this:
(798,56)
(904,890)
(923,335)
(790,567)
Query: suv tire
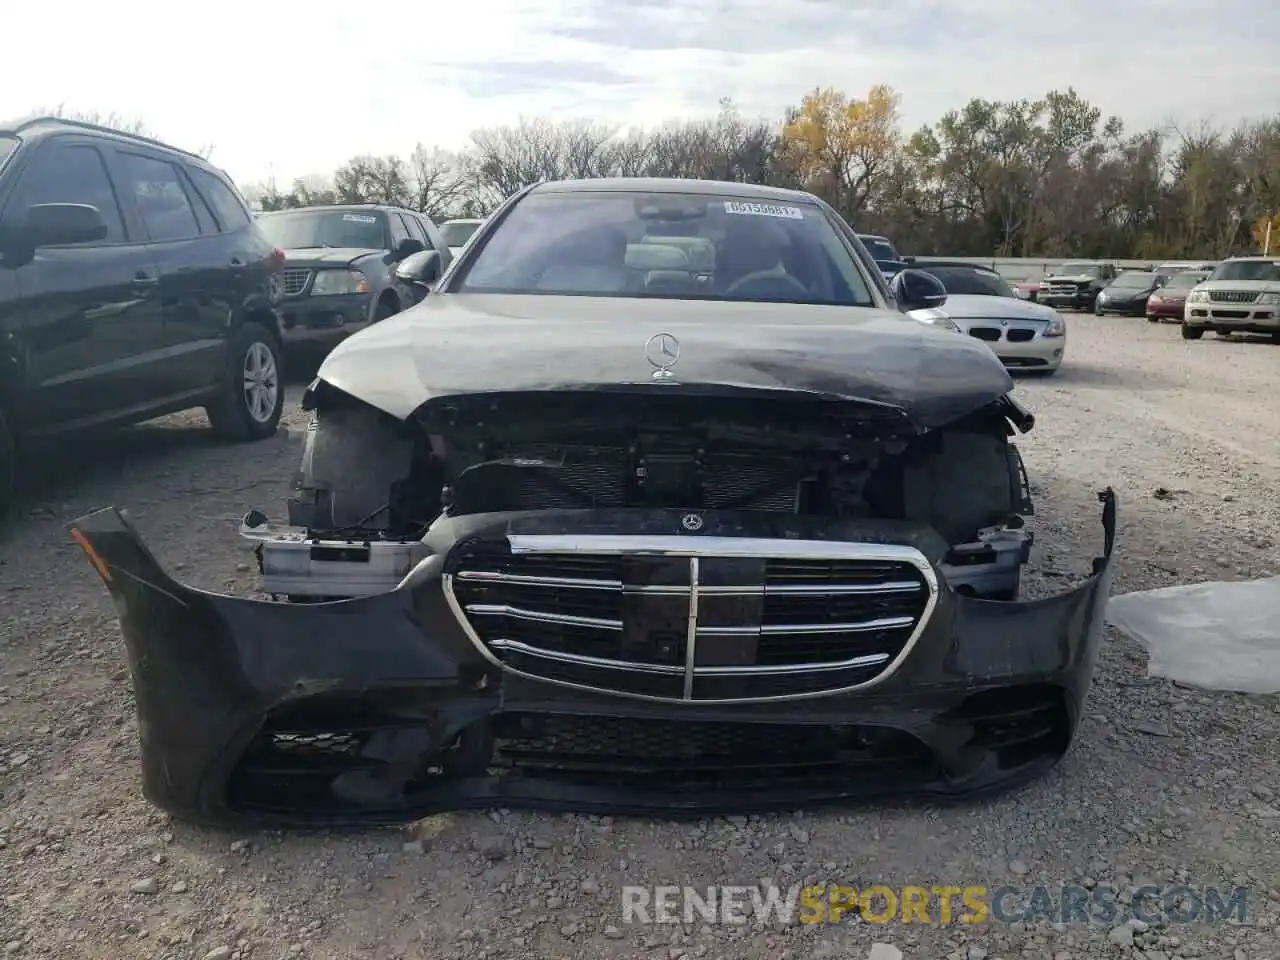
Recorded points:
(251,396)
(1192,333)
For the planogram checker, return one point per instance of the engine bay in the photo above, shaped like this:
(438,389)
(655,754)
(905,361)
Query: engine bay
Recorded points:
(371,486)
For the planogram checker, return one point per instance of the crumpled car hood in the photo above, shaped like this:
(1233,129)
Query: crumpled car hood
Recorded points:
(454,344)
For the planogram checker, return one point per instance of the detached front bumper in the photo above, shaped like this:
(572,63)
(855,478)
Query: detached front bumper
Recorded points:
(273,712)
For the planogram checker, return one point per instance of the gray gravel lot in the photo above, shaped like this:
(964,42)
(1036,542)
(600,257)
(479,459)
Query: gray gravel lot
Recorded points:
(1166,784)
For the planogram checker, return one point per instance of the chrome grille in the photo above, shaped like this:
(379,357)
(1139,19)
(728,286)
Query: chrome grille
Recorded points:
(295,280)
(1232,296)
(692,618)
(1061,289)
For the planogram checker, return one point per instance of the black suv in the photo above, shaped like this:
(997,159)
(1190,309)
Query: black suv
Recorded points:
(339,271)
(133,283)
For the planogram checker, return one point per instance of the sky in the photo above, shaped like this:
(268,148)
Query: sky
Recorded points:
(287,89)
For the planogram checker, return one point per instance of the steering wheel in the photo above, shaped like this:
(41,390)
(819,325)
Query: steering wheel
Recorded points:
(766,278)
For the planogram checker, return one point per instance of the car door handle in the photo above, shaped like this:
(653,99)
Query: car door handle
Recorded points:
(141,279)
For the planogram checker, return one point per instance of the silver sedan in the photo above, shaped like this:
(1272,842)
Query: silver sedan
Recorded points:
(1025,336)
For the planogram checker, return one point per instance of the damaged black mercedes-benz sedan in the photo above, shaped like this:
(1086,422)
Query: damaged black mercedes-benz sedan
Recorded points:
(657,503)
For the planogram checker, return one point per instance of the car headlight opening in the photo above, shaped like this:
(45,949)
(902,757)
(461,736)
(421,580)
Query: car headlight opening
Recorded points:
(334,282)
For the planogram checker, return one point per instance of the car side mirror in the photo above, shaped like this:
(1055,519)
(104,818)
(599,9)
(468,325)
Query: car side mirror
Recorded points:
(53,224)
(407,248)
(421,267)
(917,290)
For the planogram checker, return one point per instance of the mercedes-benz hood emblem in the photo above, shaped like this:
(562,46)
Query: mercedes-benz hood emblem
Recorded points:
(662,350)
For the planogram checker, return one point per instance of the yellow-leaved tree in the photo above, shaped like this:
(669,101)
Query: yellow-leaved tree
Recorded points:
(844,147)
(1267,232)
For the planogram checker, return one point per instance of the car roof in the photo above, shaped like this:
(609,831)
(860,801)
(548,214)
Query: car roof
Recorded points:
(334,206)
(38,127)
(956,263)
(709,188)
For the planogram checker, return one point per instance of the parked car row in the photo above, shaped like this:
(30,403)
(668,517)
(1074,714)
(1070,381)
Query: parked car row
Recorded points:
(1237,295)
(135,281)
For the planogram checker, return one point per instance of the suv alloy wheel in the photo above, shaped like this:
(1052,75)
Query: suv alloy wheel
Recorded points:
(252,393)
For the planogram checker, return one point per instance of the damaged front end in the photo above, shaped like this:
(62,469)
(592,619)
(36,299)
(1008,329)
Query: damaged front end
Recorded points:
(654,601)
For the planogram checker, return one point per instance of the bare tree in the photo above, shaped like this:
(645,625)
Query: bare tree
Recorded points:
(1038,178)
(439,181)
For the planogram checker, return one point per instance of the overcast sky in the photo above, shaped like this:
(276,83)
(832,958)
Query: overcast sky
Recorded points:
(296,88)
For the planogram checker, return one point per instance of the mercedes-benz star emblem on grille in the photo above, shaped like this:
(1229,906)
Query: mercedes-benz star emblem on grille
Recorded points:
(663,350)
(691,522)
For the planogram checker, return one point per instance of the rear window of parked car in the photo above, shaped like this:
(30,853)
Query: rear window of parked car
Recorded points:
(7,146)
(226,207)
(163,202)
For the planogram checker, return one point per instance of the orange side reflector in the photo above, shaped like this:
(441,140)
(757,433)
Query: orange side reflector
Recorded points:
(98,563)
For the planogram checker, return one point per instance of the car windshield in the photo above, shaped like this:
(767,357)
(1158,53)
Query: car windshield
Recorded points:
(1134,280)
(323,228)
(879,248)
(971,281)
(1079,270)
(7,146)
(671,245)
(458,232)
(1184,281)
(1248,270)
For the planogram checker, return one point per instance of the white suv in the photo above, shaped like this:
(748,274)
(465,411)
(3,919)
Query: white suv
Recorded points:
(1242,295)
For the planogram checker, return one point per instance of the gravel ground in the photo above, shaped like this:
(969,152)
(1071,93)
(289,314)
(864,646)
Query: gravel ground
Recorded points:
(1165,784)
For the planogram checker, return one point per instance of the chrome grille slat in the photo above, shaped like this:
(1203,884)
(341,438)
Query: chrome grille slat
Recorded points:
(603,662)
(572,583)
(779,619)
(538,616)
(784,629)
(294,280)
(768,589)
(1232,296)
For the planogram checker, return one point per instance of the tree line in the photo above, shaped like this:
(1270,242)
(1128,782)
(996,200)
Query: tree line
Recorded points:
(1050,177)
